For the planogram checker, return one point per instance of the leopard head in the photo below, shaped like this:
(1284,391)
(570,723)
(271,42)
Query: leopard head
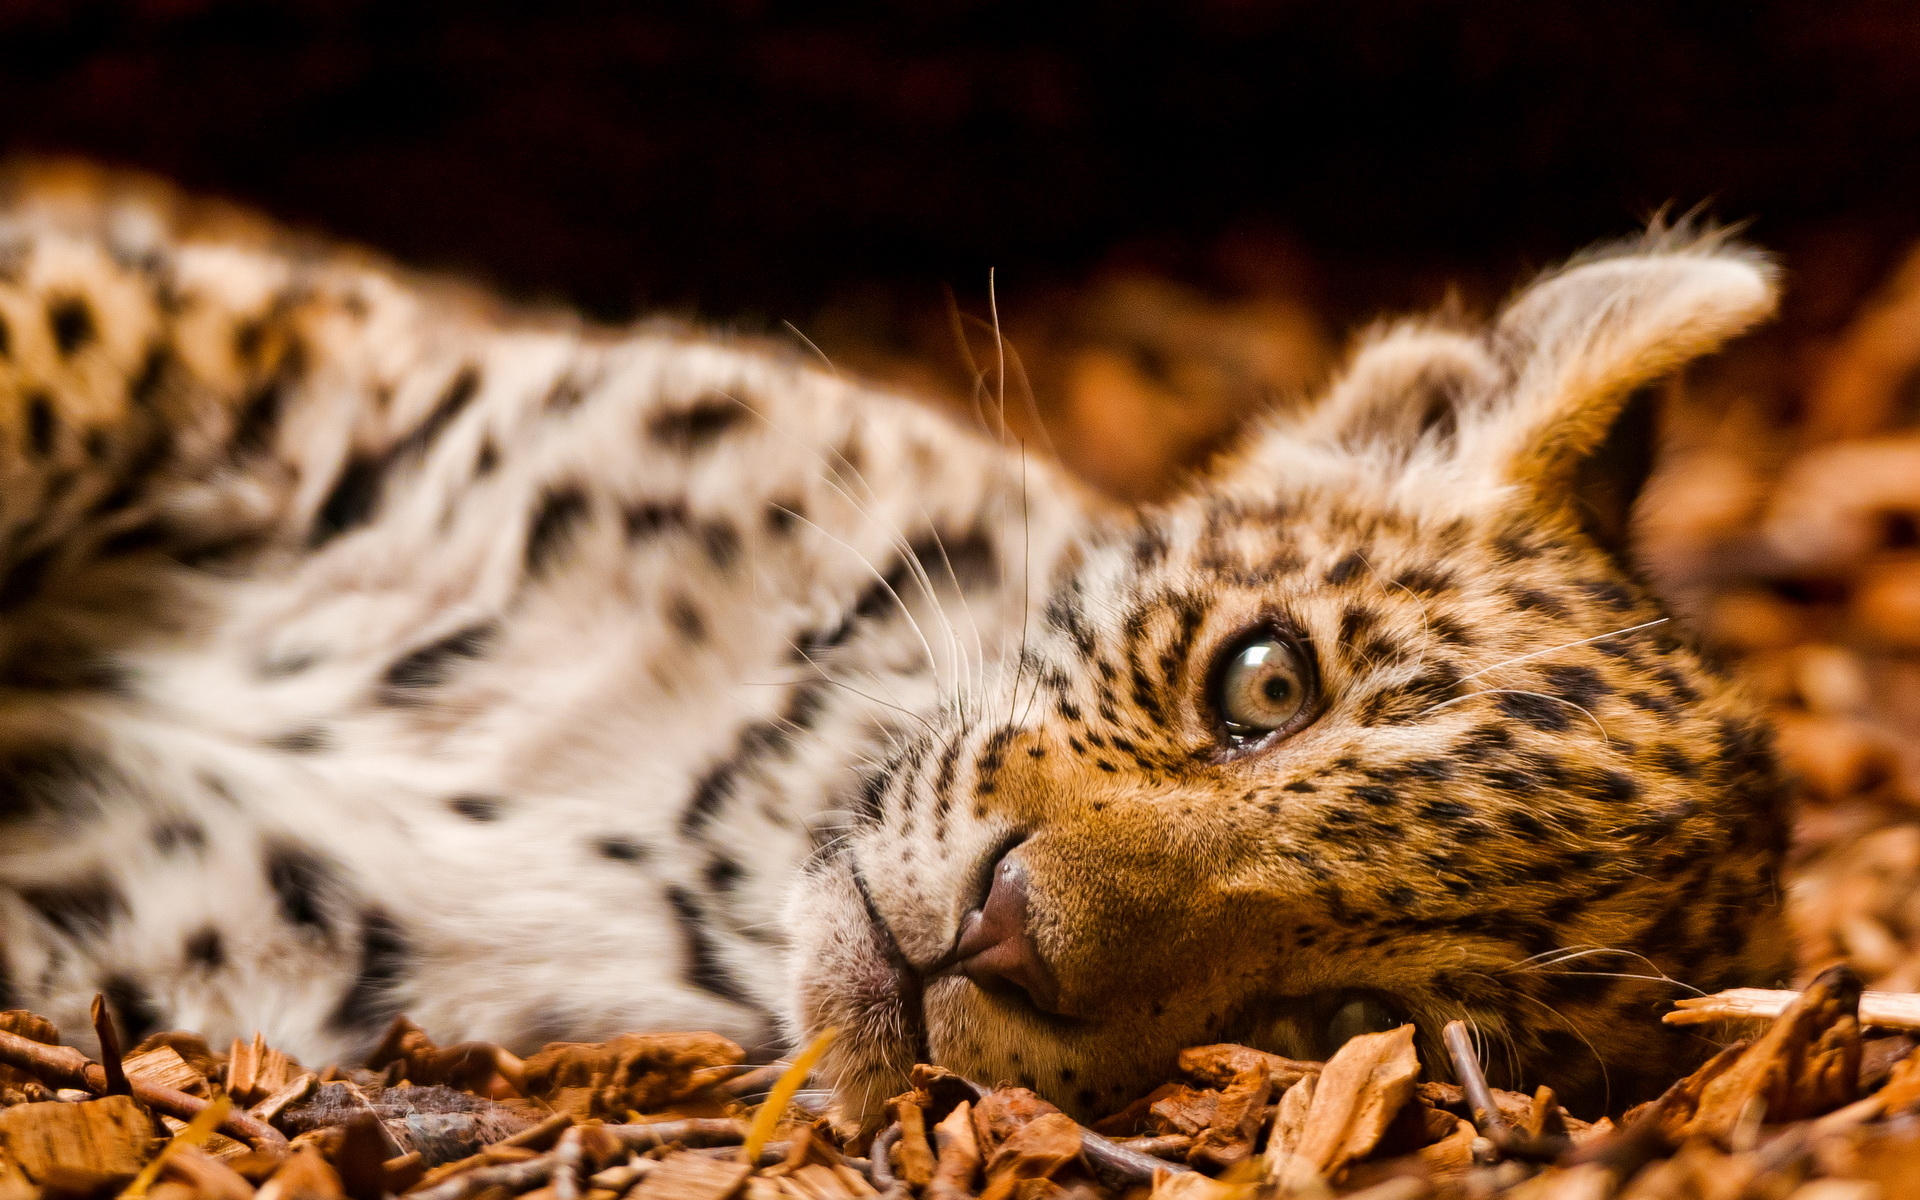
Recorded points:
(1375,724)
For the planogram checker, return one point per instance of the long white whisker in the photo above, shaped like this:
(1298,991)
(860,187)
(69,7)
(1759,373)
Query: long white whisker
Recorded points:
(1598,637)
(795,330)
(892,532)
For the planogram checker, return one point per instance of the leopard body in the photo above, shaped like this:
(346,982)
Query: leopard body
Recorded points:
(371,648)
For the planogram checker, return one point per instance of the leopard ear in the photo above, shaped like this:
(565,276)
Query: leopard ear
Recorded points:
(1584,345)
(1536,409)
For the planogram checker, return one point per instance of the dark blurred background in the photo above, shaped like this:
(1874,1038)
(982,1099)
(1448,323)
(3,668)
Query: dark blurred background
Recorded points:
(759,160)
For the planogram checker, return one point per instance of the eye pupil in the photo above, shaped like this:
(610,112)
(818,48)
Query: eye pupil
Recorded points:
(1277,689)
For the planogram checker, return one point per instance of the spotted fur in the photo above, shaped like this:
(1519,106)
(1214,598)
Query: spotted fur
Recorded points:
(368,648)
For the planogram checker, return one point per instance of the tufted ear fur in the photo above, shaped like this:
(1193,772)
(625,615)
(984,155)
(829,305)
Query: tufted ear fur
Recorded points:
(1552,403)
(1579,344)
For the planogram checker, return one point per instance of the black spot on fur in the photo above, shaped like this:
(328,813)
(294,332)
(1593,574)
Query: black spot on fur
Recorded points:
(1540,712)
(872,795)
(1608,592)
(433,664)
(178,833)
(374,1000)
(477,808)
(6,338)
(722,543)
(1063,613)
(82,908)
(645,521)
(1649,702)
(132,1007)
(565,395)
(259,420)
(452,402)
(206,949)
(1534,600)
(48,777)
(487,460)
(713,790)
(1425,581)
(1342,572)
(1448,812)
(1675,761)
(784,516)
(42,424)
(698,425)
(304,883)
(304,740)
(355,495)
(72,322)
(1525,824)
(1581,685)
(623,849)
(98,446)
(1610,786)
(685,617)
(562,511)
(703,969)
(967,561)
(25,580)
(351,502)
(723,872)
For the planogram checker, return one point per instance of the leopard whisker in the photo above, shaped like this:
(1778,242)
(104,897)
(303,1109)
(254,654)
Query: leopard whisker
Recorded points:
(1598,637)
(811,345)
(891,531)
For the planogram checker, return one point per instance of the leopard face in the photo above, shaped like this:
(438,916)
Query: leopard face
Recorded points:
(1371,726)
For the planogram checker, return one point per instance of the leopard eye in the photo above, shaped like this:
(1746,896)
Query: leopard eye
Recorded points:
(1262,686)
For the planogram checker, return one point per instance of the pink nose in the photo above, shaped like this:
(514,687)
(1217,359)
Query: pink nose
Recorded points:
(996,949)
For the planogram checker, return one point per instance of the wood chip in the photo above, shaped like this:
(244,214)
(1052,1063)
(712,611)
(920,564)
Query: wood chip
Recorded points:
(912,1151)
(1354,1099)
(1806,1064)
(689,1176)
(1881,1010)
(1191,1185)
(1218,1066)
(634,1072)
(1283,1141)
(210,1177)
(1036,1150)
(305,1175)
(106,1140)
(255,1070)
(1002,1113)
(958,1156)
(164,1066)
(1228,1141)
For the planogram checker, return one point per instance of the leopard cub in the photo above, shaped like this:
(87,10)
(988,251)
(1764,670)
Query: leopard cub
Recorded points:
(368,647)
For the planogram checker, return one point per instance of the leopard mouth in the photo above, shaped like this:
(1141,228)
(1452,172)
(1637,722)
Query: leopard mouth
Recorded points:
(1310,1027)
(910,985)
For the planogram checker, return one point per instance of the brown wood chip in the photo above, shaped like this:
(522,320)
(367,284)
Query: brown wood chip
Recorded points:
(1353,1101)
(106,1140)
(913,1153)
(688,1176)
